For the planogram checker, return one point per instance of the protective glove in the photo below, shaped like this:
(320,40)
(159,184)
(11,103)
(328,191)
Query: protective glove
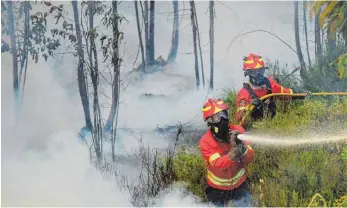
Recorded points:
(233,137)
(234,153)
(256,102)
(236,145)
(239,144)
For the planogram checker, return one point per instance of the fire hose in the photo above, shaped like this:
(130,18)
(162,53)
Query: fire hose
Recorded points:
(250,107)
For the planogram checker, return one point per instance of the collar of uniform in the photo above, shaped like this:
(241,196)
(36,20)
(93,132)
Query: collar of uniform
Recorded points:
(257,87)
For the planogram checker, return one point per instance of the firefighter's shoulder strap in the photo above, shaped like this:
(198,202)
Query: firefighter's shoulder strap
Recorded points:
(249,89)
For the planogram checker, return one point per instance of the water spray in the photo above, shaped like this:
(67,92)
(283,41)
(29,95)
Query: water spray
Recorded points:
(290,141)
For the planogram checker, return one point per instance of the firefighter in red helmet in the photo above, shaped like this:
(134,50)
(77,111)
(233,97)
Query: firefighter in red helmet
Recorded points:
(259,85)
(225,156)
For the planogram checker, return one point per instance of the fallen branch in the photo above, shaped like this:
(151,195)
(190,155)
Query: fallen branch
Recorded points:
(295,70)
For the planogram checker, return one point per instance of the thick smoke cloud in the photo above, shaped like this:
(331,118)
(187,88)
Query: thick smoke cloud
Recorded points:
(44,164)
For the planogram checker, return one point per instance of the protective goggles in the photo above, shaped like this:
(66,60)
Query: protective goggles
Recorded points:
(254,73)
(215,118)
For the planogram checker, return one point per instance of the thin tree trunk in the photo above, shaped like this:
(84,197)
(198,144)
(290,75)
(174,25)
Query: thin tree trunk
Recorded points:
(94,73)
(151,33)
(113,117)
(331,45)
(198,35)
(297,36)
(195,45)
(305,29)
(145,14)
(26,39)
(14,57)
(140,36)
(175,34)
(80,69)
(318,39)
(211,42)
(24,64)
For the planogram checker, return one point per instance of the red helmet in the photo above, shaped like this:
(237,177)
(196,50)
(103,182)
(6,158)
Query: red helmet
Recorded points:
(253,62)
(213,106)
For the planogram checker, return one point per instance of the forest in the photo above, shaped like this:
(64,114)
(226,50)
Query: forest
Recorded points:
(88,66)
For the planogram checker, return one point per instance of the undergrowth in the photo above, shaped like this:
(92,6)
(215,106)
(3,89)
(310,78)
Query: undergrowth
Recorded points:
(296,176)
(307,175)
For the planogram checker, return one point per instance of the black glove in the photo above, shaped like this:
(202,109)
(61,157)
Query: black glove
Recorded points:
(234,153)
(237,143)
(256,102)
(233,136)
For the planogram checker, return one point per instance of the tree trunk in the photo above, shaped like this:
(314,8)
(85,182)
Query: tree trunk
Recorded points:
(150,59)
(94,73)
(175,35)
(318,39)
(201,60)
(113,116)
(146,24)
(26,50)
(297,36)
(211,42)
(195,47)
(331,45)
(80,69)
(140,36)
(305,29)
(14,57)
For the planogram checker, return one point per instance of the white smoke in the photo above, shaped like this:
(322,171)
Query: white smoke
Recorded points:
(44,164)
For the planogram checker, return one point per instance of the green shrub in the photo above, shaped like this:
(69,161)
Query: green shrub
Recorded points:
(306,116)
(341,202)
(284,75)
(190,168)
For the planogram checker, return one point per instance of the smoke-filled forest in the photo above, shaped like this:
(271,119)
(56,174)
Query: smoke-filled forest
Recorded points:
(104,102)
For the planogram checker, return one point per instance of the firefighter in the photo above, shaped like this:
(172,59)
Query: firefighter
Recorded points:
(259,85)
(225,156)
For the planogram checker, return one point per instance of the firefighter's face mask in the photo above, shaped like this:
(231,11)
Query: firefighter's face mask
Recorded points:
(219,123)
(256,77)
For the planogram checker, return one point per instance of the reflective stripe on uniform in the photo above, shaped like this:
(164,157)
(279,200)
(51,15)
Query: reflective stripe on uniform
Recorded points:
(282,89)
(225,182)
(241,108)
(248,62)
(214,157)
(207,108)
(248,147)
(291,91)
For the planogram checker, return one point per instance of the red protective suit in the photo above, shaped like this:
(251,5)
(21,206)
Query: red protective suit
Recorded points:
(244,97)
(223,173)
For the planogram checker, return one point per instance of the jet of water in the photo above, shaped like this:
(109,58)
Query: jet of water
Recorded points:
(292,141)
